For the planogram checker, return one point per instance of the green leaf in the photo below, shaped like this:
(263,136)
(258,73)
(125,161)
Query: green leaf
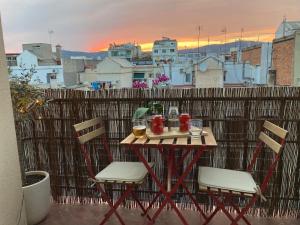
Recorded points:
(140,112)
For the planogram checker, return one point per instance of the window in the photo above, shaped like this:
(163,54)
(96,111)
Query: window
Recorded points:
(156,51)
(164,51)
(114,53)
(51,76)
(188,78)
(181,70)
(172,50)
(224,76)
(138,76)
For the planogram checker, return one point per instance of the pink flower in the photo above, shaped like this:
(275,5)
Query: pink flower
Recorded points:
(139,84)
(160,78)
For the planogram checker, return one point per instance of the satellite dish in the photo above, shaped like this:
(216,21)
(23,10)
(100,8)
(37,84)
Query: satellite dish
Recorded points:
(203,67)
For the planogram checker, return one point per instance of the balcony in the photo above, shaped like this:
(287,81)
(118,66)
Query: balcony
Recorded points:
(234,114)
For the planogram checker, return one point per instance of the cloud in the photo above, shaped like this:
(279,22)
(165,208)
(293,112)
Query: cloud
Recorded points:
(93,24)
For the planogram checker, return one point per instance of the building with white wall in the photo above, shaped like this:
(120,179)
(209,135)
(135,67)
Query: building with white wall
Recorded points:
(46,65)
(180,72)
(287,28)
(209,73)
(241,74)
(260,58)
(164,50)
(114,71)
(119,73)
(127,51)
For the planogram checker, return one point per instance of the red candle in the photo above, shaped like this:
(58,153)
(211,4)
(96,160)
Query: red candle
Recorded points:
(184,119)
(157,124)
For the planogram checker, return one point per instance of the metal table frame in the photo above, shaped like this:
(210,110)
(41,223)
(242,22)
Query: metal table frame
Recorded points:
(187,145)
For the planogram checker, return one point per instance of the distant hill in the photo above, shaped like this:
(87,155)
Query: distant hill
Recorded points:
(219,48)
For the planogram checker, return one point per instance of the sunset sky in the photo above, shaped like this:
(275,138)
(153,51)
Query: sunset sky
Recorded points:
(90,25)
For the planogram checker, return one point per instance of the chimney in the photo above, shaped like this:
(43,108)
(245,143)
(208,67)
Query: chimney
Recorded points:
(58,54)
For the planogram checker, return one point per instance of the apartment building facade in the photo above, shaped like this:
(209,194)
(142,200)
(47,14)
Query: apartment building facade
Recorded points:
(45,66)
(164,50)
(285,69)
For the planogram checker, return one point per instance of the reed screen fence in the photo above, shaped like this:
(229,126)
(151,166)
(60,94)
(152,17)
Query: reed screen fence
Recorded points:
(234,114)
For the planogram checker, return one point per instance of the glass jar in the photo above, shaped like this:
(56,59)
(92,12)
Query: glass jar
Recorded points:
(157,124)
(184,119)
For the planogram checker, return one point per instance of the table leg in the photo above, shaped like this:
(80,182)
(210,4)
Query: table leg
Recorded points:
(179,182)
(170,169)
(160,185)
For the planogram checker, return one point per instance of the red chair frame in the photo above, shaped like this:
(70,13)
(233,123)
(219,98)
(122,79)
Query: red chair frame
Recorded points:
(129,187)
(218,194)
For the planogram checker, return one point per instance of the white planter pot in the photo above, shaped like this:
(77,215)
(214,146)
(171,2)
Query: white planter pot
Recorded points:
(37,198)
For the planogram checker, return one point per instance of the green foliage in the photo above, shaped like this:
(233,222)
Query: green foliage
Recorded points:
(151,108)
(140,112)
(25,96)
(155,108)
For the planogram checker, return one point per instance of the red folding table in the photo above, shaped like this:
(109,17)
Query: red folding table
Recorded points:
(167,148)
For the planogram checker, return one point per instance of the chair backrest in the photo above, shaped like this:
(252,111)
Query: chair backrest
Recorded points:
(277,147)
(276,130)
(87,131)
(90,135)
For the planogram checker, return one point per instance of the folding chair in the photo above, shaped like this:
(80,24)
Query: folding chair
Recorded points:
(223,184)
(129,174)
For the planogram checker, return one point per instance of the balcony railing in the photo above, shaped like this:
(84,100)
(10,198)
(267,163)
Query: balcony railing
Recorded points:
(235,115)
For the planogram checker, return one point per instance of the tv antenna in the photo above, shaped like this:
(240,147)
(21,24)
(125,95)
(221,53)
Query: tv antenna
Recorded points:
(199,32)
(50,33)
(224,30)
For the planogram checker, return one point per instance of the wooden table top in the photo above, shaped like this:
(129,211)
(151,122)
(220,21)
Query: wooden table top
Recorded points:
(207,140)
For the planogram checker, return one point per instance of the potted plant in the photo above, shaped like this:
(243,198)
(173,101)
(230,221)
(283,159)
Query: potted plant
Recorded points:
(36,184)
(146,112)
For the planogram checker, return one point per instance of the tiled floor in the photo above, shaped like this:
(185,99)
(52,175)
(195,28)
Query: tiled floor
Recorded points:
(91,215)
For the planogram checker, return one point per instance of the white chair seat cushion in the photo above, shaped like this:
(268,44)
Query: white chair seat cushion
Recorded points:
(224,179)
(128,172)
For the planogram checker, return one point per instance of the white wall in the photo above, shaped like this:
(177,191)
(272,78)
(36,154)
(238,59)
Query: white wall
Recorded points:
(283,30)
(27,60)
(109,70)
(11,194)
(173,70)
(265,64)
(212,76)
(241,74)
(41,73)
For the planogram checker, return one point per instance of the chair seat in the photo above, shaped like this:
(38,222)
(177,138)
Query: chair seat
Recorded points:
(123,172)
(225,179)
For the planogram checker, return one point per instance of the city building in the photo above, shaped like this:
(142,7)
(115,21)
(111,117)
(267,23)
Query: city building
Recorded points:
(114,72)
(74,66)
(259,56)
(287,28)
(127,51)
(208,73)
(164,50)
(180,72)
(45,66)
(285,61)
(191,56)
(239,74)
